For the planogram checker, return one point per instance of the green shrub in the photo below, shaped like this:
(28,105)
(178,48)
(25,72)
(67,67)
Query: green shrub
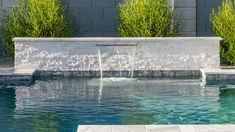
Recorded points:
(223,25)
(35,18)
(147,18)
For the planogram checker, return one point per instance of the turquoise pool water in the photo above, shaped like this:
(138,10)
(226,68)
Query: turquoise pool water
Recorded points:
(63,104)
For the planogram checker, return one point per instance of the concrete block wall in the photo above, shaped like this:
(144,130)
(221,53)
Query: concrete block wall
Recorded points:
(98,18)
(186,16)
(204,8)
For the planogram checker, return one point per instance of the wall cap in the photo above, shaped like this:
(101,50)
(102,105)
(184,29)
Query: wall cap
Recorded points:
(115,39)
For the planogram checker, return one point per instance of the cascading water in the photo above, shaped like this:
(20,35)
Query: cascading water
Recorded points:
(100,90)
(119,61)
(100,63)
(132,61)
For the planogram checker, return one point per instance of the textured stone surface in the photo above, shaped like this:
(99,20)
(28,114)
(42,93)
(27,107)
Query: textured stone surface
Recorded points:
(152,54)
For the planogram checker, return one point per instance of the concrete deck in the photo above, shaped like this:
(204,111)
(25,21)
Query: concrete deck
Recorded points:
(211,76)
(156,128)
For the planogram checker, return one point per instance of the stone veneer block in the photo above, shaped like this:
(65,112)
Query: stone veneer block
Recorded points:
(152,54)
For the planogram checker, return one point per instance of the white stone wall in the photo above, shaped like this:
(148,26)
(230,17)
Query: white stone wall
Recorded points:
(81,54)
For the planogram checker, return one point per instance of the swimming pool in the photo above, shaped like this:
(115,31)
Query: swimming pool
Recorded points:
(64,103)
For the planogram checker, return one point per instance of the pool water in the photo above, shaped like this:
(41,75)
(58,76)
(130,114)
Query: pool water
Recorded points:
(62,104)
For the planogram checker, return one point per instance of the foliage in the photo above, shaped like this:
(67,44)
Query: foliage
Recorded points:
(223,25)
(147,18)
(35,18)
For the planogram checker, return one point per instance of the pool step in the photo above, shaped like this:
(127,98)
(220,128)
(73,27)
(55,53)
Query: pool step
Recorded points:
(156,128)
(213,76)
(16,76)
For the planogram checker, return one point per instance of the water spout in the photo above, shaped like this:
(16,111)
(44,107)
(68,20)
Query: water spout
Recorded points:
(119,61)
(101,90)
(133,62)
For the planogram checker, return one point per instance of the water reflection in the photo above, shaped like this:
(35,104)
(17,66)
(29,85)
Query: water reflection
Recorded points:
(7,107)
(227,105)
(45,123)
(62,104)
(174,103)
(101,89)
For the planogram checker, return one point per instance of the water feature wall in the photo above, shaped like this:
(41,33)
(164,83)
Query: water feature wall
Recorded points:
(117,54)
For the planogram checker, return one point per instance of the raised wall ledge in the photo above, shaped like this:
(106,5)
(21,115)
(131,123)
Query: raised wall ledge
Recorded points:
(81,54)
(213,76)
(16,76)
(114,39)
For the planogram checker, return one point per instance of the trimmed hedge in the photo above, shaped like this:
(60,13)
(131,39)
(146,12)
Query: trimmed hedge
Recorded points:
(35,18)
(223,25)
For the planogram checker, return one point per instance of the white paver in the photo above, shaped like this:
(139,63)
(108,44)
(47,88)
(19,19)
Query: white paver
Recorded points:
(218,71)
(95,128)
(128,128)
(156,128)
(162,128)
(188,128)
(215,128)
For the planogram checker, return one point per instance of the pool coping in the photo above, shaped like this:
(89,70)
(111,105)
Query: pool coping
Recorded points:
(16,76)
(111,39)
(156,128)
(213,76)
